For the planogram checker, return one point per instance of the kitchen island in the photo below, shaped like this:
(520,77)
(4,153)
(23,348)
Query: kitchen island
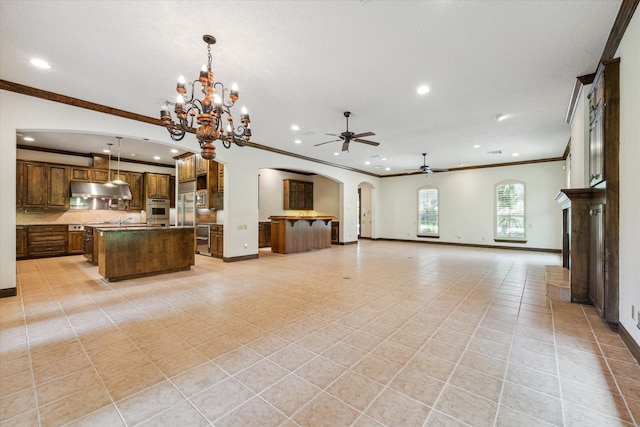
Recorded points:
(291,234)
(128,252)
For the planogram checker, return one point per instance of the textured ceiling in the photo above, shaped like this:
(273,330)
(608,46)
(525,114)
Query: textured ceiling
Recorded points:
(306,62)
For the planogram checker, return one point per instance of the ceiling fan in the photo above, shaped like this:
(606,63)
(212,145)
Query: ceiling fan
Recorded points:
(346,137)
(426,169)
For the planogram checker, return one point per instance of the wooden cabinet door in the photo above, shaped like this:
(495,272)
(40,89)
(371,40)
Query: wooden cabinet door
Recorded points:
(125,176)
(75,242)
(308,196)
(21,242)
(163,187)
(19,183)
(151,185)
(80,174)
(99,175)
(136,186)
(202,165)
(35,185)
(596,258)
(58,187)
(220,168)
(187,169)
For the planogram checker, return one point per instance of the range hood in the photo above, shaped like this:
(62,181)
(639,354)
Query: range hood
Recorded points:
(92,190)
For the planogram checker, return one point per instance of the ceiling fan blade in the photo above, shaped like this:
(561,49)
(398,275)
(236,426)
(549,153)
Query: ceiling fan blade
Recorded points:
(345,145)
(326,142)
(331,134)
(363,134)
(429,171)
(364,141)
(439,170)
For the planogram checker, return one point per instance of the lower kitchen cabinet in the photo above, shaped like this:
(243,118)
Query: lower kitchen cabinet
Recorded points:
(21,241)
(47,240)
(264,234)
(216,241)
(335,232)
(75,242)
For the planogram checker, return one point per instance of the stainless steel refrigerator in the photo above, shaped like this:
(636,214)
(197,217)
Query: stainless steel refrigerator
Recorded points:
(186,209)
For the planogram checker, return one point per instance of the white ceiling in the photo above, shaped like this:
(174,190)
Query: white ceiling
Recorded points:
(306,62)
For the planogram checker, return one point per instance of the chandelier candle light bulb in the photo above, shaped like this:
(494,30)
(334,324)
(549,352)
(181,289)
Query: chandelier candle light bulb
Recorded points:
(207,112)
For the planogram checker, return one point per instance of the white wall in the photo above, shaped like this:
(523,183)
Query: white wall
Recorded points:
(466,204)
(629,54)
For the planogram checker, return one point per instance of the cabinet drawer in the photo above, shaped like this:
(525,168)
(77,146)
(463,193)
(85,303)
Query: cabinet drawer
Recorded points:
(48,228)
(51,249)
(47,238)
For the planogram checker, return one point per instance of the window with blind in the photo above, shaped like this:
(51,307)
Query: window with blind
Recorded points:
(510,210)
(428,211)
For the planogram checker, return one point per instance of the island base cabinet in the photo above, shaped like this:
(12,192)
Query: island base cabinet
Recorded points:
(299,235)
(125,254)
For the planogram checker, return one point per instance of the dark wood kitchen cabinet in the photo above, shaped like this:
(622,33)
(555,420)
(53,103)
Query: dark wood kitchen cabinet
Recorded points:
(45,186)
(264,234)
(187,168)
(99,175)
(57,187)
(21,241)
(156,186)
(47,240)
(216,240)
(136,185)
(75,242)
(81,174)
(297,195)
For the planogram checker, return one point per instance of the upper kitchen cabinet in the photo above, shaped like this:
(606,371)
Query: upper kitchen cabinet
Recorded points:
(210,181)
(99,175)
(604,116)
(186,168)
(297,195)
(78,173)
(136,185)
(45,186)
(58,187)
(157,186)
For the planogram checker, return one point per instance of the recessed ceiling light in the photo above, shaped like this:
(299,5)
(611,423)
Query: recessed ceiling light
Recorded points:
(384,158)
(461,164)
(174,151)
(476,146)
(423,89)
(367,162)
(106,151)
(295,127)
(501,117)
(336,154)
(156,157)
(40,63)
(297,141)
(133,154)
(387,169)
(28,138)
(515,154)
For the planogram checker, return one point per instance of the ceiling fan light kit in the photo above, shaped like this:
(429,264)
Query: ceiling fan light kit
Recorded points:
(427,169)
(346,137)
(207,112)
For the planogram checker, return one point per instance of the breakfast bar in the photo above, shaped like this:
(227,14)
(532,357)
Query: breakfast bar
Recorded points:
(128,252)
(291,234)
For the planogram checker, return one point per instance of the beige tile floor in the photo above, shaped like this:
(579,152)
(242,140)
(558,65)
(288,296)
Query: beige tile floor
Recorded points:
(379,333)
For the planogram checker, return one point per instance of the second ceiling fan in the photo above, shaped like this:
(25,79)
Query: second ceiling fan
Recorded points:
(346,137)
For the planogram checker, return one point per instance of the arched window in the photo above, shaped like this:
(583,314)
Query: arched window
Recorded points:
(428,211)
(510,210)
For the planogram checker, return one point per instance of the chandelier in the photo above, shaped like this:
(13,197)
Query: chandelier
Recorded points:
(216,101)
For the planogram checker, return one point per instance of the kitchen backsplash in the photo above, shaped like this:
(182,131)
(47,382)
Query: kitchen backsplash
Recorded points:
(35,216)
